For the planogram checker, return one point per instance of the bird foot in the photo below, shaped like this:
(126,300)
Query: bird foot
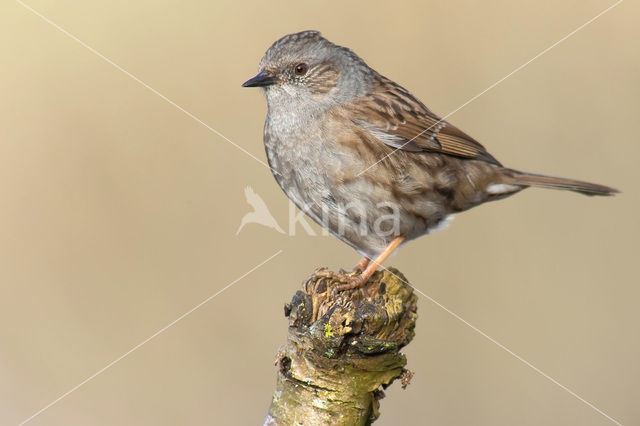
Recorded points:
(347,280)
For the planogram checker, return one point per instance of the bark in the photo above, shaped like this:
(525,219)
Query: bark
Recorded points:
(342,350)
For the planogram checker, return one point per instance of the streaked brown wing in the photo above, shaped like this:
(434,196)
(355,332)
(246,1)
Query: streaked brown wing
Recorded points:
(398,119)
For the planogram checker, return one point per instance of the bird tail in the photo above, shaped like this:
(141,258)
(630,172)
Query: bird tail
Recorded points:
(542,181)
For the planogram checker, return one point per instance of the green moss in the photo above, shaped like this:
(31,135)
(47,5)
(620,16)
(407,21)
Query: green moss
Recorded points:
(327,331)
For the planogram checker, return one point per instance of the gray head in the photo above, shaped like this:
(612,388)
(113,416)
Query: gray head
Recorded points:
(306,70)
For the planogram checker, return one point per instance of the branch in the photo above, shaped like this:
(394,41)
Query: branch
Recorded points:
(342,349)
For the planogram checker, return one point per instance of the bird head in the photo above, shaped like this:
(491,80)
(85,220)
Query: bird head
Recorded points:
(307,69)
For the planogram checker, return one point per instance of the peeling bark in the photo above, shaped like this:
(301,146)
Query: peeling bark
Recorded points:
(342,350)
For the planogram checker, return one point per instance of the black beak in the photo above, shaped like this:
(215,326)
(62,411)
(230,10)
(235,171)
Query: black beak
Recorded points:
(262,79)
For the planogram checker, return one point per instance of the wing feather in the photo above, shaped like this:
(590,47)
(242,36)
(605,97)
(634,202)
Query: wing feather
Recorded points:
(395,117)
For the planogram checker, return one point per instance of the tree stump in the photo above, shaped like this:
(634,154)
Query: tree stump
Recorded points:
(342,350)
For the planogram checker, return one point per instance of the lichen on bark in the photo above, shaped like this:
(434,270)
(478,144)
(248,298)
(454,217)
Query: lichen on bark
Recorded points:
(342,350)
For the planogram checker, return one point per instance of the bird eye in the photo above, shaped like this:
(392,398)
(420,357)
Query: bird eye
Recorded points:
(301,69)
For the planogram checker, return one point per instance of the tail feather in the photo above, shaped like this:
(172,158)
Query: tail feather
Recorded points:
(586,188)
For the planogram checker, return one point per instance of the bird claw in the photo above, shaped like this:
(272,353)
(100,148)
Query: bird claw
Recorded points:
(347,280)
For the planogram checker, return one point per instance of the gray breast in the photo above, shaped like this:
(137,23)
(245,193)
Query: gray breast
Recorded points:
(305,166)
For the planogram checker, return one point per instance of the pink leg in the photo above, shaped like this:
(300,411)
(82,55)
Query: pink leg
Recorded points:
(360,280)
(362,264)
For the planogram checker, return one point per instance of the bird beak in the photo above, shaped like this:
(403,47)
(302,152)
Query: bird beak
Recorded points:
(262,79)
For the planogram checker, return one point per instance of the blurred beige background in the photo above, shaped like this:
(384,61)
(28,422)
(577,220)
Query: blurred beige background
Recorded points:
(119,212)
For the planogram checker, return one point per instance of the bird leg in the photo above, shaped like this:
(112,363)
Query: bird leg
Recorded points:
(352,281)
(360,280)
(360,266)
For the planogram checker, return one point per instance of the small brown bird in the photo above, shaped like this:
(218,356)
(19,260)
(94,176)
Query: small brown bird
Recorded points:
(367,160)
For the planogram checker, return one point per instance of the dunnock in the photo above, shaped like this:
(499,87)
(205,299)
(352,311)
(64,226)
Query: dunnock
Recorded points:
(350,147)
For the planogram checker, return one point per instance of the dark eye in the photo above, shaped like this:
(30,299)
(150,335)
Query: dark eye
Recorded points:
(301,69)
